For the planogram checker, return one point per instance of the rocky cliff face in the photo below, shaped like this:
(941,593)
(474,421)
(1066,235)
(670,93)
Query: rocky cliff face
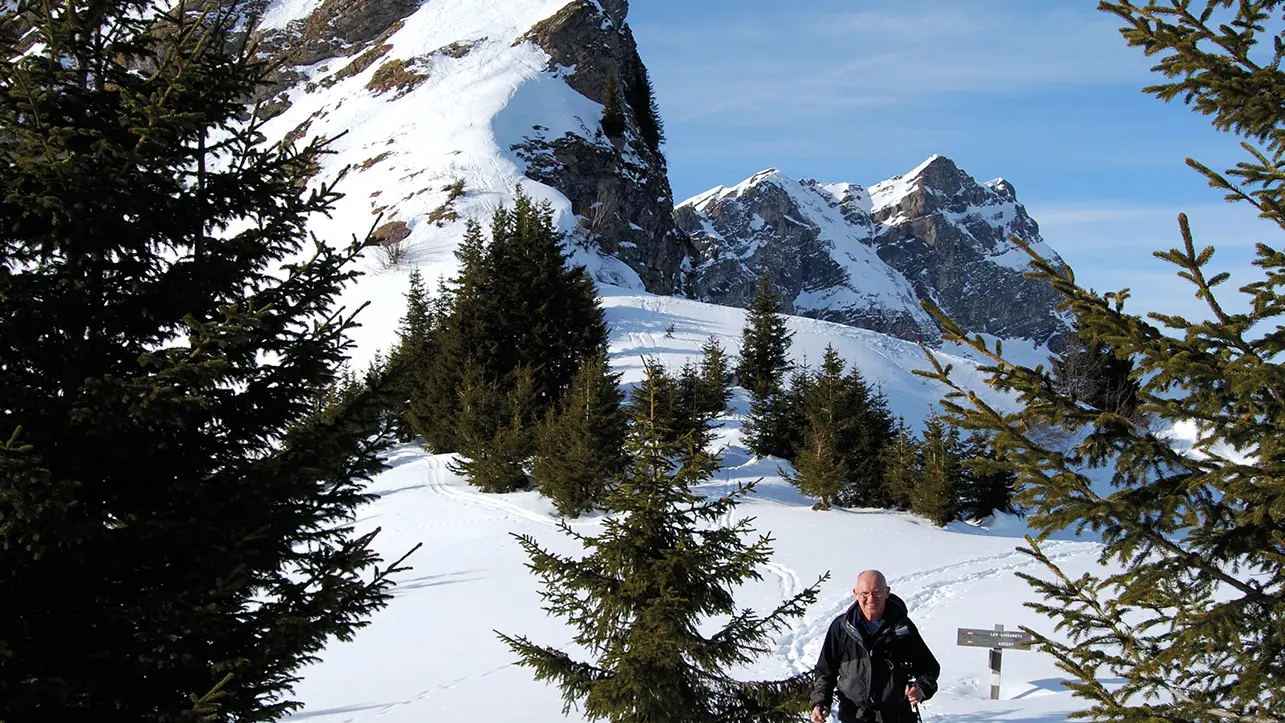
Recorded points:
(485,98)
(866,257)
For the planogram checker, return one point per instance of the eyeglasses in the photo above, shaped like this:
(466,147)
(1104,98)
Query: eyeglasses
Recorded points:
(867,595)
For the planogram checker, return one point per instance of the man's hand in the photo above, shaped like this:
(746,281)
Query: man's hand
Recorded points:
(913,694)
(819,714)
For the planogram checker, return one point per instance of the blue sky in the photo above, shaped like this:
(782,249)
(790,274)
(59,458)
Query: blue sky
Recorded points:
(1045,94)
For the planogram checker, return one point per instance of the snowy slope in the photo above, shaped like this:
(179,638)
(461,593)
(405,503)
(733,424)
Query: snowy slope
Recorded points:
(433,655)
(403,148)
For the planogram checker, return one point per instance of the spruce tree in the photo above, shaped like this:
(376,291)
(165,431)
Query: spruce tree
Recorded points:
(666,563)
(654,402)
(870,430)
(176,488)
(765,344)
(716,378)
(821,469)
(581,447)
(415,352)
(501,434)
(613,117)
(1187,616)
(777,425)
(901,467)
(935,495)
(641,97)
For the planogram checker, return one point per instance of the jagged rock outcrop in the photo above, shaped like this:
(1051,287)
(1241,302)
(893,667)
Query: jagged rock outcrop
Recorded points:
(619,187)
(867,257)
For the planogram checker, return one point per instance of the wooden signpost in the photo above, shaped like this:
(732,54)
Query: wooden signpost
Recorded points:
(997,640)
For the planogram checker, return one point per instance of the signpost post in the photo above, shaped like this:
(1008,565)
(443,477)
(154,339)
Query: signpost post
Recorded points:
(997,640)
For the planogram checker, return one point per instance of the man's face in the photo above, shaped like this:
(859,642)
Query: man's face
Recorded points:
(871,596)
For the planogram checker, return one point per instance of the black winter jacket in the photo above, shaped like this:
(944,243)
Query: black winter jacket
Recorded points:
(870,671)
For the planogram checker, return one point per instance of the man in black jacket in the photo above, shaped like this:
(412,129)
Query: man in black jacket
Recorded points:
(875,658)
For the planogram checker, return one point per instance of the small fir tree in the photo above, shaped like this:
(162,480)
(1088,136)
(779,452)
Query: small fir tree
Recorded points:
(901,467)
(869,432)
(501,449)
(935,495)
(654,402)
(581,447)
(414,352)
(666,562)
(613,117)
(819,469)
(765,344)
(716,378)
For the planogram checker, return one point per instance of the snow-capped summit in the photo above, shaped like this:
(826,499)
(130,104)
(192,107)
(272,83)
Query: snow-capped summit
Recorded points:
(867,256)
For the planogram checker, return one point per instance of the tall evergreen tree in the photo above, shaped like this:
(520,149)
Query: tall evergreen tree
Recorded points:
(935,497)
(641,97)
(901,467)
(581,447)
(175,501)
(415,352)
(693,416)
(765,344)
(1189,618)
(666,563)
(819,469)
(613,117)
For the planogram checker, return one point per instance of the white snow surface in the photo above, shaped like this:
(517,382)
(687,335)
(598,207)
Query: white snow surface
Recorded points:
(432,654)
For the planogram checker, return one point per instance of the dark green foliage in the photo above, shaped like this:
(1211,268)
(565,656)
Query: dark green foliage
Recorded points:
(581,447)
(176,484)
(778,424)
(1090,372)
(497,432)
(667,561)
(1188,614)
(986,483)
(692,414)
(901,467)
(716,378)
(819,468)
(654,403)
(935,495)
(641,97)
(869,431)
(765,344)
(514,305)
(416,347)
(613,117)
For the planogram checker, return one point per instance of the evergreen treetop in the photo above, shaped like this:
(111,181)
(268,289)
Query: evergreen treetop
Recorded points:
(1191,622)
(765,343)
(666,561)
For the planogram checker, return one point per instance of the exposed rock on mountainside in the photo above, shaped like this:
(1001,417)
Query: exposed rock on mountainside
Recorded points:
(866,257)
(538,69)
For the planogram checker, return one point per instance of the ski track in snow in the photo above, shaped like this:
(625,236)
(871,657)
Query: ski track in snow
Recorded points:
(799,645)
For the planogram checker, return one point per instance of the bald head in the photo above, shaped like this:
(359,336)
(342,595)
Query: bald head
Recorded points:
(875,578)
(871,592)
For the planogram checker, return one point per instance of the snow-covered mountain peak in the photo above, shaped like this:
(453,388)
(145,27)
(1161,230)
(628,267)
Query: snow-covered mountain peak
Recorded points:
(868,256)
